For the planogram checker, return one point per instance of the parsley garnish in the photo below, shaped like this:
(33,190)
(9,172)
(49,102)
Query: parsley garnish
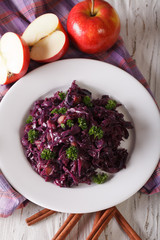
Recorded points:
(32,135)
(62,95)
(62,110)
(96,131)
(72,153)
(100,178)
(47,154)
(29,119)
(54,111)
(82,123)
(87,101)
(111,104)
(63,125)
(70,123)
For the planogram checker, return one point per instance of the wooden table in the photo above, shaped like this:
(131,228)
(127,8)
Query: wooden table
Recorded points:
(140,29)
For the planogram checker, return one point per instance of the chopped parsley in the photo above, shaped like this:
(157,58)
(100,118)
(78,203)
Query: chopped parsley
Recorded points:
(72,153)
(87,101)
(62,95)
(47,154)
(100,178)
(111,104)
(96,131)
(29,119)
(32,135)
(54,111)
(82,123)
(63,125)
(62,110)
(70,123)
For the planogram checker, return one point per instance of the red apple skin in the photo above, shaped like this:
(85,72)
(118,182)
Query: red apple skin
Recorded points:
(62,51)
(65,47)
(93,34)
(26,60)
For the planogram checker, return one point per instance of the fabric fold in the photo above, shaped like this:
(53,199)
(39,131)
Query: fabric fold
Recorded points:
(10,199)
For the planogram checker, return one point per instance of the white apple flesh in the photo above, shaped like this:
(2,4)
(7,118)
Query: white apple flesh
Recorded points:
(48,48)
(41,27)
(14,58)
(47,38)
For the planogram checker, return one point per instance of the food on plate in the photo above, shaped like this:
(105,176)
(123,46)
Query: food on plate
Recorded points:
(70,138)
(93,26)
(46,37)
(14,58)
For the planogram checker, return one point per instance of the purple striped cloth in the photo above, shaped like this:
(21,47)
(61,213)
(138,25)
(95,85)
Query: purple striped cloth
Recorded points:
(15,15)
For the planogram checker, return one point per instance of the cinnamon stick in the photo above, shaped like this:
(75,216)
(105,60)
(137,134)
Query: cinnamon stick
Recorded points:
(101,224)
(126,227)
(97,217)
(67,226)
(39,216)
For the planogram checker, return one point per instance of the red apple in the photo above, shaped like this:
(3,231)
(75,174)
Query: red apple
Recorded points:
(46,38)
(14,58)
(93,26)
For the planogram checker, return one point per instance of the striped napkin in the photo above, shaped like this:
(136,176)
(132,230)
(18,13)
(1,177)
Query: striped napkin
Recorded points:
(15,16)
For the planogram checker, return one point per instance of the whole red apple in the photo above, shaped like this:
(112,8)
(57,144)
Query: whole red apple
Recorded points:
(93,26)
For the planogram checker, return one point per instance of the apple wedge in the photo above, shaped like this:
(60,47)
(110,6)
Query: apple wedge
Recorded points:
(46,37)
(14,58)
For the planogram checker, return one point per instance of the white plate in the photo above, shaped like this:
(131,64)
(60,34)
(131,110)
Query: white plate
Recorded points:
(100,78)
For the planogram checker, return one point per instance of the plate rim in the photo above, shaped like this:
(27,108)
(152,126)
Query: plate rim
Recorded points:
(12,89)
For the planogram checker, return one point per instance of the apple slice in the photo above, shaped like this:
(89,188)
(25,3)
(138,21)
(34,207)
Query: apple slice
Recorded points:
(14,58)
(46,37)
(49,48)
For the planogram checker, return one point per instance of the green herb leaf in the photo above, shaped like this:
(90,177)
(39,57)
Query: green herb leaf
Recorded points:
(72,153)
(47,154)
(100,178)
(111,104)
(96,131)
(63,125)
(62,110)
(82,123)
(32,135)
(62,95)
(70,123)
(55,110)
(87,101)
(29,119)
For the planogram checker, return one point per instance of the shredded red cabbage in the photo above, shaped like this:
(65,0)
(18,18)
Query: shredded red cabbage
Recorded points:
(69,136)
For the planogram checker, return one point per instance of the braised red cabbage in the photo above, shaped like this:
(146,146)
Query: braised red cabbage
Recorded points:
(69,136)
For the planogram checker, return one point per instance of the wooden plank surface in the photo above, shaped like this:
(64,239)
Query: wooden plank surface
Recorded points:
(140,30)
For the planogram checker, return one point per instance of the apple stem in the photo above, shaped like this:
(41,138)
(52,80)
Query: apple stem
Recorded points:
(92,8)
